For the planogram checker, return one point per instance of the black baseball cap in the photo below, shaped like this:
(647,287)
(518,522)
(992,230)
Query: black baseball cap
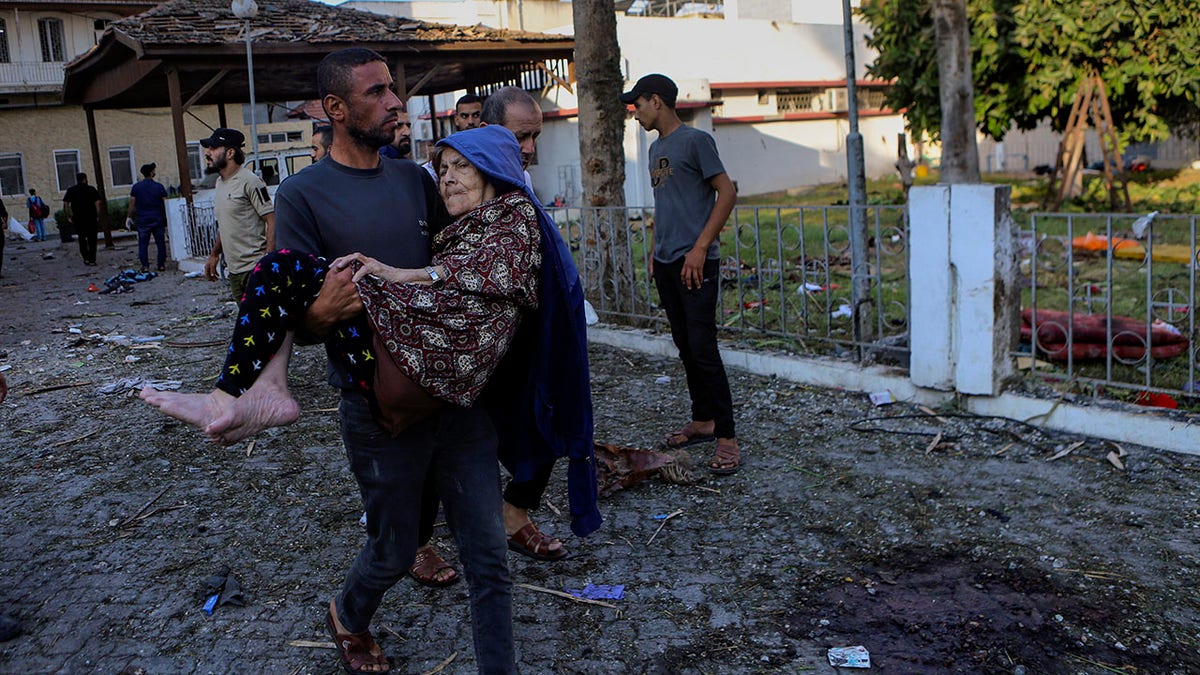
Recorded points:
(224,138)
(653,84)
(148,169)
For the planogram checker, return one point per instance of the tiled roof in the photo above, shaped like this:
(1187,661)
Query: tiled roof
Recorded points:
(208,22)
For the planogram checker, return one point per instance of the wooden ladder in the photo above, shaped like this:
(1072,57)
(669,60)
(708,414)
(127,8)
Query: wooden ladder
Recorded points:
(1090,101)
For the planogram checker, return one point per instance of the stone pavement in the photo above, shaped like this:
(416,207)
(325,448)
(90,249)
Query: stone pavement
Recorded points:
(111,515)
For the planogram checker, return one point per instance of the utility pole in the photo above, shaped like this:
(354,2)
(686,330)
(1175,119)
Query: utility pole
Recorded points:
(860,280)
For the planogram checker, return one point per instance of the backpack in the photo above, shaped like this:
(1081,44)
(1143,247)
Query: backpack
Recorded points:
(38,208)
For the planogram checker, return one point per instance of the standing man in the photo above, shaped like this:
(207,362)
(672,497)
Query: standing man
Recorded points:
(147,202)
(354,201)
(37,214)
(322,138)
(401,145)
(467,112)
(514,109)
(693,197)
(245,216)
(81,204)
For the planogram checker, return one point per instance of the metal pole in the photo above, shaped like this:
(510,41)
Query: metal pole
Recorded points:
(253,105)
(860,281)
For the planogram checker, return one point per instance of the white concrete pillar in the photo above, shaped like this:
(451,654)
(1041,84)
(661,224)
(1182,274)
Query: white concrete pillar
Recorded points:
(964,306)
(982,243)
(931,363)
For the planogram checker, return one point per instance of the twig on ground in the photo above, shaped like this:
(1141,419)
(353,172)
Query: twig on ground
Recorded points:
(56,387)
(142,511)
(929,411)
(250,447)
(1003,450)
(441,666)
(321,410)
(312,644)
(394,633)
(568,596)
(707,489)
(1066,451)
(188,345)
(75,440)
(933,444)
(663,524)
(1123,670)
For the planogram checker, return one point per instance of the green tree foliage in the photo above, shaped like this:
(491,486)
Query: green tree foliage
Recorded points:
(1029,57)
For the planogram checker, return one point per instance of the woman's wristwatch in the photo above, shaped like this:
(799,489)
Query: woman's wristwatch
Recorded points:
(435,279)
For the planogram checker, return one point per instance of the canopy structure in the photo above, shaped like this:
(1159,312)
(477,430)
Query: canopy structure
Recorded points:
(191,52)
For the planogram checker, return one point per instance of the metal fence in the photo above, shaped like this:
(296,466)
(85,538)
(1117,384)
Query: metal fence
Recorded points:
(200,229)
(1109,301)
(784,275)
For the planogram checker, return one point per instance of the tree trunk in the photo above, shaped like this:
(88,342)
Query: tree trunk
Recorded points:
(960,156)
(607,267)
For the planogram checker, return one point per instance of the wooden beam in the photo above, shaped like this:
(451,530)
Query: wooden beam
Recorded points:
(436,126)
(212,82)
(181,161)
(421,82)
(98,168)
(222,119)
(400,83)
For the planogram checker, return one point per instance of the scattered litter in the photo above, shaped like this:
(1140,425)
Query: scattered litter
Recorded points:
(222,589)
(47,256)
(850,657)
(1154,399)
(74,330)
(312,644)
(192,275)
(5,367)
(130,358)
(138,383)
(662,379)
(92,288)
(882,398)
(589,314)
(1115,456)
(1140,225)
(663,524)
(568,596)
(599,592)
(363,521)
(843,311)
(144,340)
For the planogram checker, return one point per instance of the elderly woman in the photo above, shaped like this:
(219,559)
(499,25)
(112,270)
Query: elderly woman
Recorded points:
(444,328)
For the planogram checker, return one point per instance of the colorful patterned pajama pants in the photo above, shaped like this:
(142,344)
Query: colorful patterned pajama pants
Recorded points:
(279,290)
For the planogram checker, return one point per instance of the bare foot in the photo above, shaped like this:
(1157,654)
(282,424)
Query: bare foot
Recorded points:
(263,406)
(196,409)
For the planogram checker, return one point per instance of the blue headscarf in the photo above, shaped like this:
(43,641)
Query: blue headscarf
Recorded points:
(540,398)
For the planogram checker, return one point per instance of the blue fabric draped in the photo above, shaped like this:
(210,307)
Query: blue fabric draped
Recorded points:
(540,397)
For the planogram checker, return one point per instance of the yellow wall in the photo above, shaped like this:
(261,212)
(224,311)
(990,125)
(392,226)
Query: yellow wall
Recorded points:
(37,133)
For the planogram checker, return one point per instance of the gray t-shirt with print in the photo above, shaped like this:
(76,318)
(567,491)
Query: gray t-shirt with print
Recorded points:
(681,164)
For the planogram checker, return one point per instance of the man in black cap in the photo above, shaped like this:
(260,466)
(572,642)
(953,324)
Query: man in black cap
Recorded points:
(693,197)
(82,205)
(245,215)
(147,201)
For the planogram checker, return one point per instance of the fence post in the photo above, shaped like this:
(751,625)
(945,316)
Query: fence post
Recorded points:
(965,301)
(986,298)
(931,361)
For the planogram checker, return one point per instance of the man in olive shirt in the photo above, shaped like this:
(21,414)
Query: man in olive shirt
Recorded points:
(245,215)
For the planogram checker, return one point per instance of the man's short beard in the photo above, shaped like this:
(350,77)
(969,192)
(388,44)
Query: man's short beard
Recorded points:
(215,167)
(405,146)
(374,137)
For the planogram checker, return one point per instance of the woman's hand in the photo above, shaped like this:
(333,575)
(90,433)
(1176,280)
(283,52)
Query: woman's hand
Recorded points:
(380,270)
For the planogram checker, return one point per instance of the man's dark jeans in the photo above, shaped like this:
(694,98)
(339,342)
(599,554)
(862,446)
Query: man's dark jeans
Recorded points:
(159,233)
(693,317)
(460,446)
(87,234)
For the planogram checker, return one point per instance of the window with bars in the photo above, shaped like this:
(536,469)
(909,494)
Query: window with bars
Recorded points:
(195,161)
(50,33)
(12,174)
(66,165)
(120,165)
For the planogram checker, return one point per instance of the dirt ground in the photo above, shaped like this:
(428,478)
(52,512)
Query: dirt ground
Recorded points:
(979,553)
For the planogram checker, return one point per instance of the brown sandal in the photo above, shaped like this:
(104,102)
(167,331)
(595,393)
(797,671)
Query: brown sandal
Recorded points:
(728,459)
(688,435)
(534,543)
(358,651)
(427,566)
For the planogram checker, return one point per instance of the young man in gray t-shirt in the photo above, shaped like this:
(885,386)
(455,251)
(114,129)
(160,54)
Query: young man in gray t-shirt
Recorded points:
(693,197)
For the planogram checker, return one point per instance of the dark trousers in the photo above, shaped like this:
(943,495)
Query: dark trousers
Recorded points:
(159,233)
(278,291)
(458,447)
(692,314)
(523,495)
(86,233)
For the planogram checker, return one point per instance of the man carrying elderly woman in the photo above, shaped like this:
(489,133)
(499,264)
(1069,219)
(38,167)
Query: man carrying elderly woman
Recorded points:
(414,344)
